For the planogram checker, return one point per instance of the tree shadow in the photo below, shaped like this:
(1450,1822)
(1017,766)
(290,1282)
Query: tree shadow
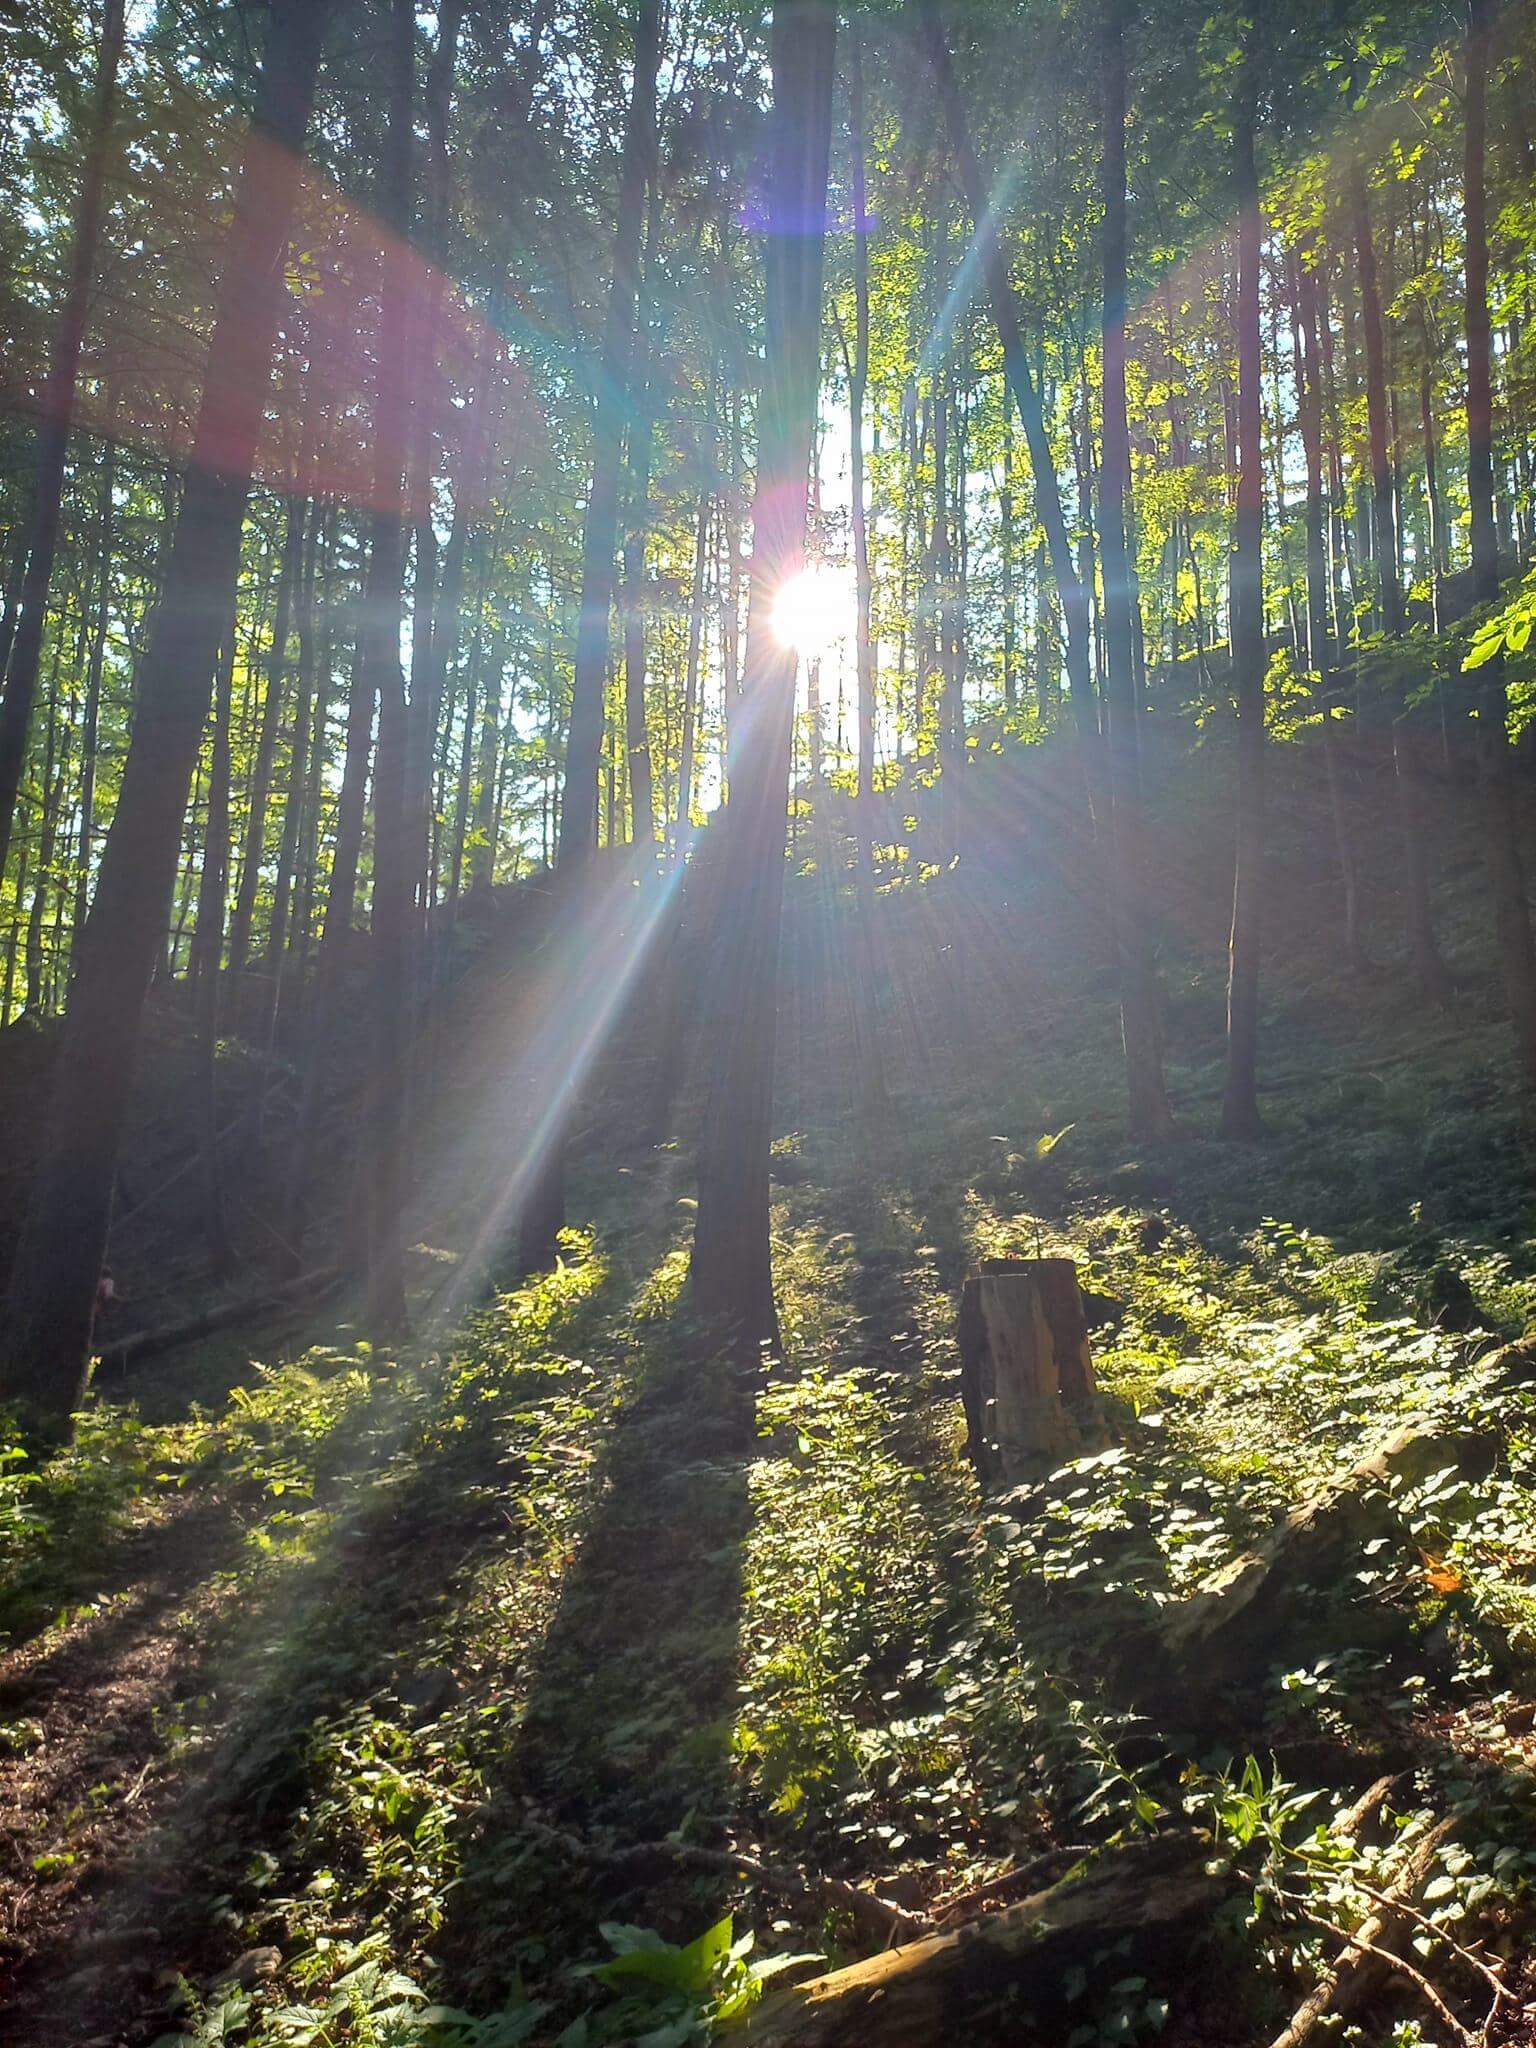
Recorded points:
(627,1731)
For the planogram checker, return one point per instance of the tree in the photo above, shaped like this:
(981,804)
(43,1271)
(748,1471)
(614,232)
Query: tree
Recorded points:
(1139,1019)
(732,1265)
(1240,1102)
(53,1287)
(1506,871)
(1071,587)
(543,1215)
(382,614)
(58,414)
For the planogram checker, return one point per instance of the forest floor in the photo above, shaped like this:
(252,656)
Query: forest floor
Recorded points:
(392,1696)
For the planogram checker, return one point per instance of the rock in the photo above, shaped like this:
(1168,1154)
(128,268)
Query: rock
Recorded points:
(1151,1233)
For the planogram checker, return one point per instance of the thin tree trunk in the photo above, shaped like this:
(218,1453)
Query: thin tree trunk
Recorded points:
(92,718)
(1140,1023)
(1072,594)
(53,1288)
(1240,1103)
(1388,589)
(242,923)
(482,857)
(543,1215)
(58,413)
(871,1069)
(1307,370)
(335,936)
(208,949)
(37,1001)
(691,669)
(637,739)
(1506,871)
(394,846)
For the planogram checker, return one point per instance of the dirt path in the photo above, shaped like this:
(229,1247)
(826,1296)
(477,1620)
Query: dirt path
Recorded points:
(91,1710)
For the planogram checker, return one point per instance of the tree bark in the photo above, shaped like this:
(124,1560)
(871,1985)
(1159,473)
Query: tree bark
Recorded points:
(1140,1021)
(732,1267)
(92,720)
(340,907)
(1506,868)
(691,668)
(543,1215)
(871,1067)
(213,883)
(637,737)
(53,1287)
(1071,591)
(950,1987)
(394,844)
(1307,370)
(1383,510)
(1240,1103)
(243,920)
(58,413)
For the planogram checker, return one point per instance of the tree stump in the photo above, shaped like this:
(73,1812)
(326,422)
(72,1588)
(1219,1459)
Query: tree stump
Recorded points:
(1026,1371)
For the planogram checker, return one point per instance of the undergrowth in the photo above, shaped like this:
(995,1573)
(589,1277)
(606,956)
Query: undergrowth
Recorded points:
(500,1609)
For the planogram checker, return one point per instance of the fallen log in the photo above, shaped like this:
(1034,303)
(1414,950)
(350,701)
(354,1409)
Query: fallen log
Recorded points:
(1220,1628)
(1011,1963)
(141,1344)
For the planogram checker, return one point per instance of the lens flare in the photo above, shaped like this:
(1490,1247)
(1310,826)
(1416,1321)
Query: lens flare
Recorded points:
(813,612)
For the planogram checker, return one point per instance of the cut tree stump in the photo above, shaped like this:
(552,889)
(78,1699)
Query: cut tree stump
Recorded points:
(1145,1905)
(1026,1371)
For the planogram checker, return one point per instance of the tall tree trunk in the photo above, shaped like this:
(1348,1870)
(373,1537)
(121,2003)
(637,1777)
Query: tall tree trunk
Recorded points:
(58,413)
(1307,371)
(1383,512)
(394,843)
(287,876)
(1240,1102)
(1005,552)
(92,720)
(1408,738)
(637,738)
(691,668)
(10,603)
(335,937)
(578,820)
(543,1215)
(242,923)
(871,1070)
(1072,594)
(208,947)
(302,928)
(49,795)
(732,1264)
(429,665)
(1140,1023)
(482,859)
(53,1288)
(1506,871)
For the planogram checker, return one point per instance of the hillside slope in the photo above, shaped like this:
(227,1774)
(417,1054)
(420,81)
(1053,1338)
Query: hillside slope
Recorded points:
(391,1680)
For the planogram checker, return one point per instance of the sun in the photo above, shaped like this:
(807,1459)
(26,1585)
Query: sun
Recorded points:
(813,611)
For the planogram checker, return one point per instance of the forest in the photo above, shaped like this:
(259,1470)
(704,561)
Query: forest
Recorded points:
(767,1023)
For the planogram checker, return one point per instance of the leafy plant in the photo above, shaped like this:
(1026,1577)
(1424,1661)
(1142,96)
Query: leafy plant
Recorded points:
(681,1994)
